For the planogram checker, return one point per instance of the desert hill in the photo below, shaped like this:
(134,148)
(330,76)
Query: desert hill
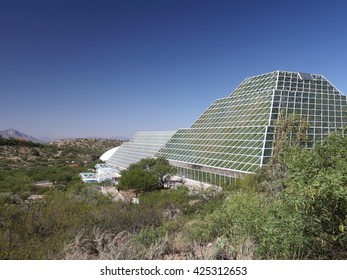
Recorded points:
(19,153)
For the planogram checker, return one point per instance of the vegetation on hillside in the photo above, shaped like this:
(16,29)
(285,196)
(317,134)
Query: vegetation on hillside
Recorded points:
(16,154)
(295,208)
(17,142)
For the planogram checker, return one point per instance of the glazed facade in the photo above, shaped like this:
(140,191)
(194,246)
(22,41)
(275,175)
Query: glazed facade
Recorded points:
(144,144)
(235,135)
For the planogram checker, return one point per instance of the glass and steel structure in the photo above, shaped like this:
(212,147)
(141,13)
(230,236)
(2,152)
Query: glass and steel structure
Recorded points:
(144,144)
(235,135)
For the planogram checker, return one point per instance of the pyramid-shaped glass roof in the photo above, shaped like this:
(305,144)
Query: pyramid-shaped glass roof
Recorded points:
(234,136)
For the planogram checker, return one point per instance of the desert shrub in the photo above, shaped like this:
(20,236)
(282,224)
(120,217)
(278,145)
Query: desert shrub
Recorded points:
(281,235)
(162,198)
(107,245)
(309,218)
(79,191)
(150,236)
(15,181)
(30,231)
(102,245)
(240,216)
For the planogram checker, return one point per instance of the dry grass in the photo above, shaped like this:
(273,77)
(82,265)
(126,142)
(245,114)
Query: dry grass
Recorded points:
(108,246)
(101,246)
(122,246)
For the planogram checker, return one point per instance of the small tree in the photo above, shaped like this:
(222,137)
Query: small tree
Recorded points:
(159,167)
(147,174)
(138,179)
(163,170)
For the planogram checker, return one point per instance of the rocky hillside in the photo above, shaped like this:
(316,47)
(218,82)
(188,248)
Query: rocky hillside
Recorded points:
(17,153)
(91,144)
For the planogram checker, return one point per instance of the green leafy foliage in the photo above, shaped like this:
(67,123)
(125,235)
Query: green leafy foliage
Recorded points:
(290,139)
(240,215)
(138,179)
(14,181)
(146,175)
(159,167)
(310,215)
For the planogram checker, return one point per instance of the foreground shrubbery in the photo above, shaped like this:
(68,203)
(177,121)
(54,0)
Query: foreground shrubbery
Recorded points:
(310,216)
(40,230)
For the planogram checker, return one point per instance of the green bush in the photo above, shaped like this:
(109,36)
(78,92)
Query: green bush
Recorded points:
(309,219)
(146,175)
(240,216)
(139,180)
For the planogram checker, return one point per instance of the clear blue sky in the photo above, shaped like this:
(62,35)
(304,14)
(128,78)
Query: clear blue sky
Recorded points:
(104,68)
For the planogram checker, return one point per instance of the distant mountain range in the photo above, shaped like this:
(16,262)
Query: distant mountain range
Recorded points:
(14,133)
